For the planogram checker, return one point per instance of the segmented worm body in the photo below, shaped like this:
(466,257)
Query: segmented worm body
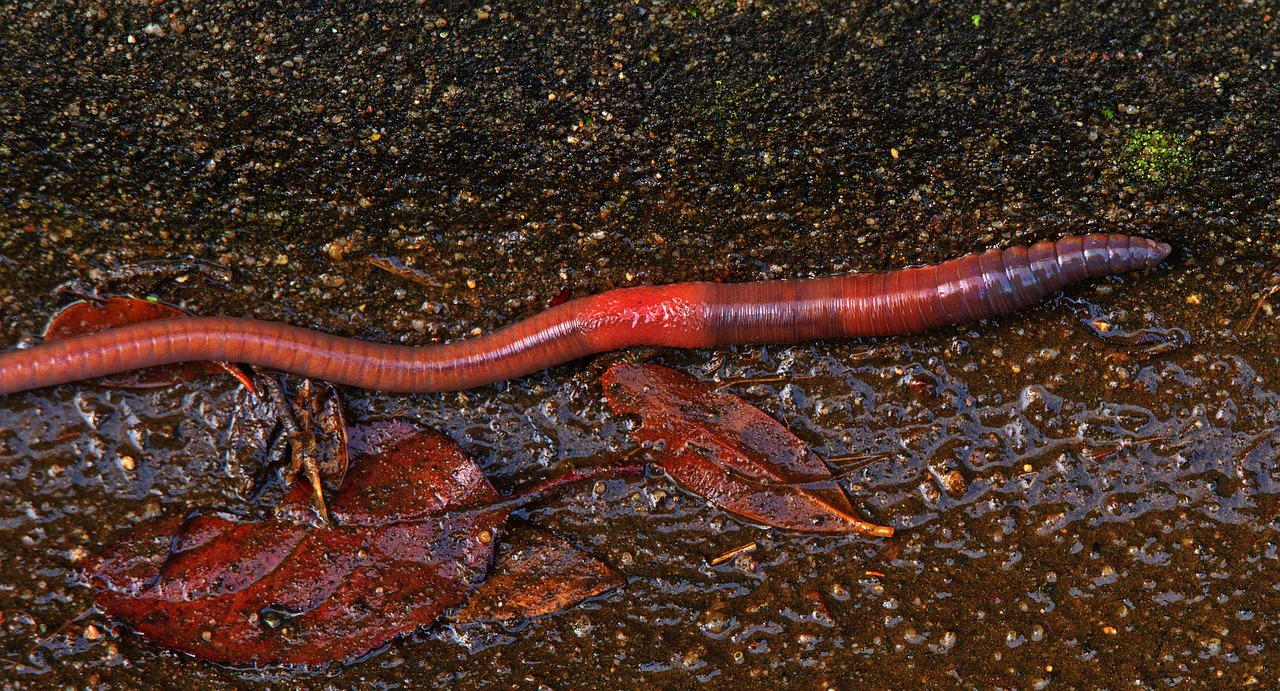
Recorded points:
(685,315)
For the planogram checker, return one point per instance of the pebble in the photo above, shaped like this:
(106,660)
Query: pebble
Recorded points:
(955,483)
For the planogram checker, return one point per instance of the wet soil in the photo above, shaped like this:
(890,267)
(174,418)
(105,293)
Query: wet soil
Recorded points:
(1078,506)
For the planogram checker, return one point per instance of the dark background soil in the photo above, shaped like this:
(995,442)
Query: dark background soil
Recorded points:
(1116,527)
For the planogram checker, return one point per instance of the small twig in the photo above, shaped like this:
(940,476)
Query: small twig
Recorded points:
(81,293)
(765,379)
(165,269)
(1098,455)
(44,641)
(156,271)
(734,553)
(546,488)
(1262,439)
(302,444)
(399,270)
(1248,324)
(850,464)
(875,351)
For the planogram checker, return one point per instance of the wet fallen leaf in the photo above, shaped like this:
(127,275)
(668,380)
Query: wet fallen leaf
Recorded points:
(412,534)
(86,317)
(538,575)
(405,545)
(730,452)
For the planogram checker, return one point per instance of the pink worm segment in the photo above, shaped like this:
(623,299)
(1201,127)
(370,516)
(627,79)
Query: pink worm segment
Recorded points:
(685,315)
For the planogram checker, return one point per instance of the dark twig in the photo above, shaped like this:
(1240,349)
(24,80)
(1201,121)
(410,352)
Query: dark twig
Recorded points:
(302,444)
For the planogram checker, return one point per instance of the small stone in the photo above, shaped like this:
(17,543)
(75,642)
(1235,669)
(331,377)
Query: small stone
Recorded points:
(127,463)
(955,483)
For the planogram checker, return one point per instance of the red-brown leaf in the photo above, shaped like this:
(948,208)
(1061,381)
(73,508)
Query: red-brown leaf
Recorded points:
(730,452)
(413,535)
(540,574)
(84,317)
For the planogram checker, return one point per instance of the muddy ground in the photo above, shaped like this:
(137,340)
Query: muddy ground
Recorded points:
(1114,522)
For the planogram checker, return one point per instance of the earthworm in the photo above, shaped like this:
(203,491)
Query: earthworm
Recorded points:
(685,315)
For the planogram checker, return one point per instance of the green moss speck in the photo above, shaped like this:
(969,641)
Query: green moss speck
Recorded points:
(1156,156)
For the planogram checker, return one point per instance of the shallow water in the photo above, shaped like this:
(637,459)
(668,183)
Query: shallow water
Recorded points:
(1073,512)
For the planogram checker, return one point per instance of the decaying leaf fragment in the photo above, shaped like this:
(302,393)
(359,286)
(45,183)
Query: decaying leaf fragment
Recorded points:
(539,574)
(730,452)
(86,317)
(309,428)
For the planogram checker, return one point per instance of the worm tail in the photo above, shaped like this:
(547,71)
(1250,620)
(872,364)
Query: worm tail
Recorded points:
(996,282)
(973,287)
